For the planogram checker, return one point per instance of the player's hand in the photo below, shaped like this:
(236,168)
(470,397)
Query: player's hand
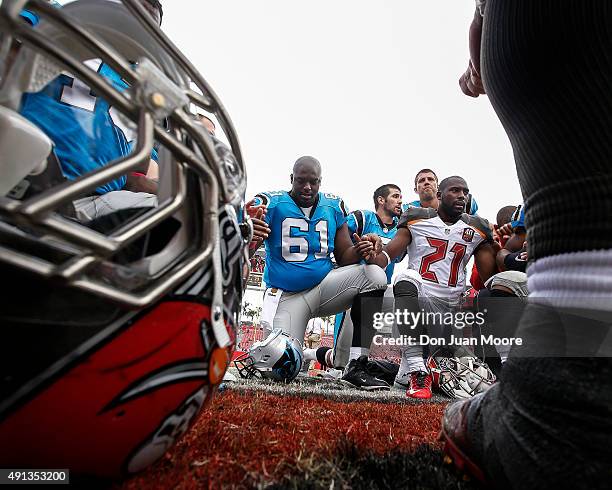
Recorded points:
(261,230)
(471,82)
(523,255)
(376,241)
(251,210)
(504,232)
(364,247)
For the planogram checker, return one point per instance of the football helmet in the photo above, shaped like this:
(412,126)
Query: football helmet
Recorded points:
(116,330)
(459,377)
(278,357)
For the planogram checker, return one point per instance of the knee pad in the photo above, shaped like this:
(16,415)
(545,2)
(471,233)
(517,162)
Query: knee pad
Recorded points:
(376,277)
(405,289)
(410,276)
(515,281)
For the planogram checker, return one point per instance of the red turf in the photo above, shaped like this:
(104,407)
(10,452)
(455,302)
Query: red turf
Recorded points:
(246,438)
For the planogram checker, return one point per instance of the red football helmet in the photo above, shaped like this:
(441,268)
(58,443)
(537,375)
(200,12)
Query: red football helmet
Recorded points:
(115,331)
(459,377)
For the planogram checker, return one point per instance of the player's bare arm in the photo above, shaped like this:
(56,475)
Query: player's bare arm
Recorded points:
(396,247)
(516,241)
(514,244)
(261,230)
(485,261)
(345,252)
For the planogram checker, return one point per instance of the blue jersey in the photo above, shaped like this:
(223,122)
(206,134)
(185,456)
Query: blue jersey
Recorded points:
(518,217)
(362,222)
(80,124)
(471,207)
(299,247)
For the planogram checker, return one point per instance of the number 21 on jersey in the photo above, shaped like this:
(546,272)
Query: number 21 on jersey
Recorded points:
(296,248)
(440,253)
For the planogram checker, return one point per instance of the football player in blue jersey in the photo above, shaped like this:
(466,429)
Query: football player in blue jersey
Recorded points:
(383,222)
(305,227)
(426,186)
(87,137)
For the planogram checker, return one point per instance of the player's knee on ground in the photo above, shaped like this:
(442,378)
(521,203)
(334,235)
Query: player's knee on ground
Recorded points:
(325,356)
(514,282)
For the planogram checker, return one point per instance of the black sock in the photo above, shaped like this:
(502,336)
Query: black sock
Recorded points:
(365,305)
(407,299)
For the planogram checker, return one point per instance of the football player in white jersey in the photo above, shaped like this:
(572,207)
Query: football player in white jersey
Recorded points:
(440,243)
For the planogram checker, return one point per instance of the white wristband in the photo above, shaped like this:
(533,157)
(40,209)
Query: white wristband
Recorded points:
(388,259)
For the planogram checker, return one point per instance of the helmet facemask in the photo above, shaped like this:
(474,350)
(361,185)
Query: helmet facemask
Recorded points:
(459,377)
(202,180)
(148,294)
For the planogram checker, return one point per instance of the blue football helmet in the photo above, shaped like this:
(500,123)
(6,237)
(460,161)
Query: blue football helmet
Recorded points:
(278,357)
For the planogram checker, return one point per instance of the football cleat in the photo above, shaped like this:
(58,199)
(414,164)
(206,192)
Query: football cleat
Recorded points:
(454,435)
(419,385)
(459,377)
(383,370)
(356,375)
(401,382)
(278,357)
(116,329)
(331,373)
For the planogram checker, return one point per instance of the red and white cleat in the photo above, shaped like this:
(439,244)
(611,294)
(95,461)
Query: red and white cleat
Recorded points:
(420,385)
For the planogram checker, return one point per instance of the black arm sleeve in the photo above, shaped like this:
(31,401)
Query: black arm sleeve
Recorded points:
(512,262)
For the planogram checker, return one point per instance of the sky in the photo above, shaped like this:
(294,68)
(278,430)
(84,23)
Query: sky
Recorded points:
(370,88)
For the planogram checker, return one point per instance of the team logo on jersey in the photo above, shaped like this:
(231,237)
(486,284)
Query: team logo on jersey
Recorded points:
(447,231)
(468,234)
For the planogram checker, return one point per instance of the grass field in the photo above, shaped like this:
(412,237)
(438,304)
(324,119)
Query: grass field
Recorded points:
(311,433)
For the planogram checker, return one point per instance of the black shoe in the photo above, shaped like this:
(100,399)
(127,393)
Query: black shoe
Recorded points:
(356,374)
(385,370)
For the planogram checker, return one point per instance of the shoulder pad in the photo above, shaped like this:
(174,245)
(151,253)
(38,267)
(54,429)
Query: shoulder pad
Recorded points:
(266,198)
(480,224)
(471,206)
(329,195)
(416,214)
(338,200)
(343,207)
(409,205)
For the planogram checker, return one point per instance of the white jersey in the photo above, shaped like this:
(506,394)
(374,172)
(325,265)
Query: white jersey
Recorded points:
(439,252)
